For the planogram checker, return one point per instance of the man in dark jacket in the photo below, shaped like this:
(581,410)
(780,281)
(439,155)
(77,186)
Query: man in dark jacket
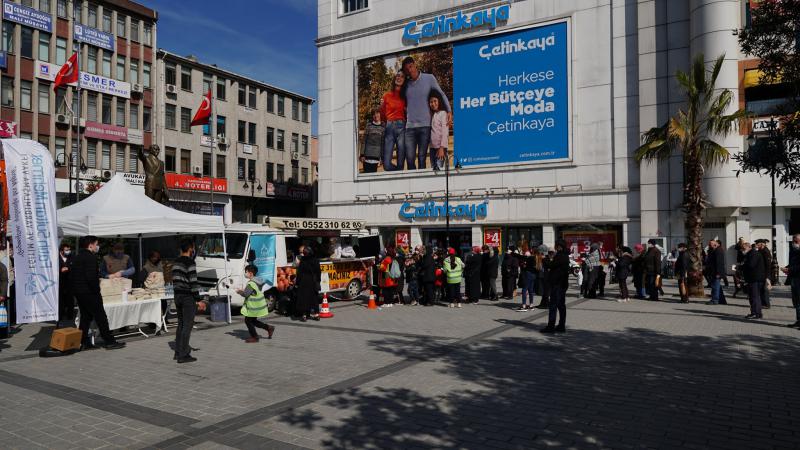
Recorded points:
(491,264)
(755,275)
(637,270)
(427,275)
(652,269)
(66,301)
(85,281)
(472,274)
(761,246)
(792,272)
(186,288)
(682,266)
(714,271)
(485,271)
(558,278)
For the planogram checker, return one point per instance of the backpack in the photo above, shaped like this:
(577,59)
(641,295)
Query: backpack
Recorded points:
(394,270)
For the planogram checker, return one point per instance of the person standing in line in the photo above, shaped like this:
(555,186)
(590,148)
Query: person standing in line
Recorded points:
(492,263)
(682,266)
(66,301)
(412,277)
(532,267)
(505,273)
(622,272)
(544,278)
(393,114)
(401,279)
(419,86)
(792,271)
(453,269)
(427,276)
(187,290)
(737,275)
(308,278)
(85,281)
(255,305)
(725,274)
(559,282)
(373,145)
(592,262)
(472,275)
(714,271)
(637,270)
(513,271)
(755,274)
(485,271)
(763,248)
(652,269)
(390,272)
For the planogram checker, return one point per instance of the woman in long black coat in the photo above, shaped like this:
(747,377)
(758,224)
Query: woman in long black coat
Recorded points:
(472,275)
(308,278)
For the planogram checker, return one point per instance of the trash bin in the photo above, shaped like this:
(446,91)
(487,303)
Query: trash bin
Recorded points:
(219,308)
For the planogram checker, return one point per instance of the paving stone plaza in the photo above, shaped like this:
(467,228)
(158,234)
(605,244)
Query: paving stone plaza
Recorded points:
(625,375)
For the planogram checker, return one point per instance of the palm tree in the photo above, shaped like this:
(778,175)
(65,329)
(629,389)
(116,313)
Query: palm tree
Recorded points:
(690,133)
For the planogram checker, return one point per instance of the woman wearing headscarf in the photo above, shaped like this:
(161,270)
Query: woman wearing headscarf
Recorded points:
(472,275)
(308,278)
(623,271)
(637,270)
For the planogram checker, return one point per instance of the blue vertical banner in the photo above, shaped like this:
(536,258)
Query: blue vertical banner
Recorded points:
(511,97)
(264,247)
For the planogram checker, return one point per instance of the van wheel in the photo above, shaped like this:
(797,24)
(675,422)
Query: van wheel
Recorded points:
(353,289)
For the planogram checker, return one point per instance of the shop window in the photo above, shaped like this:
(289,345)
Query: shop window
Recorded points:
(523,238)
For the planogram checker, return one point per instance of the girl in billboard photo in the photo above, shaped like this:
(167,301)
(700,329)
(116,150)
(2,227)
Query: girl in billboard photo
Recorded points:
(373,143)
(439,130)
(393,113)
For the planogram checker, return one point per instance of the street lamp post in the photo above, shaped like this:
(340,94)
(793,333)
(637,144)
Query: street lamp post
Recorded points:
(447,198)
(252,186)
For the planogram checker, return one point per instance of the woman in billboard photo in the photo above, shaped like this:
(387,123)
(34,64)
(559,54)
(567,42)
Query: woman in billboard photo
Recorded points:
(439,131)
(393,113)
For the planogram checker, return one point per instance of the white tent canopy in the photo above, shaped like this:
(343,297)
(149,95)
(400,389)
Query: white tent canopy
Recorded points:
(119,209)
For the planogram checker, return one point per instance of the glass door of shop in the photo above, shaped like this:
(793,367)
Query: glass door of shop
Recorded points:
(460,238)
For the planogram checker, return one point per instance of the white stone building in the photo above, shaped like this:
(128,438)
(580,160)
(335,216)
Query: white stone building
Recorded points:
(621,57)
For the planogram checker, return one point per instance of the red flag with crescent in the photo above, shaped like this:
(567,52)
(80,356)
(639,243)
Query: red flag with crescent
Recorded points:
(68,72)
(204,112)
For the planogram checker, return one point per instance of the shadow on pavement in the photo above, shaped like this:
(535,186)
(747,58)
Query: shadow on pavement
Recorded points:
(632,389)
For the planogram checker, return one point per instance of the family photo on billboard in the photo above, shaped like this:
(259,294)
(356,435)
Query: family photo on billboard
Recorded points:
(501,99)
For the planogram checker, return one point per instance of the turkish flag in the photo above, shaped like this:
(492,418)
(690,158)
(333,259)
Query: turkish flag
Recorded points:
(68,72)
(204,112)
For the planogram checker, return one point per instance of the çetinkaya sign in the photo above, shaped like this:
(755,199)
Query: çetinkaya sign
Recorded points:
(431,210)
(414,33)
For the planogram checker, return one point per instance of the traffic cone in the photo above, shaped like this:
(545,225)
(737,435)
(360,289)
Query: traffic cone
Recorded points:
(325,309)
(372,304)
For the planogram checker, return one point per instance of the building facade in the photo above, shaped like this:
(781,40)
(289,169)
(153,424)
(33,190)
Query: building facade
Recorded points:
(548,102)
(116,41)
(259,156)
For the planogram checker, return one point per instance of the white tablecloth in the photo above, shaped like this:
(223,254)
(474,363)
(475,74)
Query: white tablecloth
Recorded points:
(133,312)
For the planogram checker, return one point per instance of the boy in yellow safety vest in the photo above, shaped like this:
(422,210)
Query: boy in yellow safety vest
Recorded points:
(255,305)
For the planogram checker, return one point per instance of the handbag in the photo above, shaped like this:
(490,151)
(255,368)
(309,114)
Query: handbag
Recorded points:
(658,281)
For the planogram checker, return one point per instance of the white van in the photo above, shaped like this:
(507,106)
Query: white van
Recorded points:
(345,249)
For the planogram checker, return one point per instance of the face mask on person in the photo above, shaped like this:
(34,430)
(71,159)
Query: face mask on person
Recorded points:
(67,252)
(94,248)
(119,254)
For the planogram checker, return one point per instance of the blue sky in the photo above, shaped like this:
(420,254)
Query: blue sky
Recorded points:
(267,40)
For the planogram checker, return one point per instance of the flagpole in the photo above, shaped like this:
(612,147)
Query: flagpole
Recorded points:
(213,144)
(80,146)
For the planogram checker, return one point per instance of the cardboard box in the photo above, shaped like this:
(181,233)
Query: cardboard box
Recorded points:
(64,339)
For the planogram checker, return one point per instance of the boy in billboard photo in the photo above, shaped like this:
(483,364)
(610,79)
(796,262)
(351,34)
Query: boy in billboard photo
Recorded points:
(439,131)
(373,144)
(393,113)
(419,86)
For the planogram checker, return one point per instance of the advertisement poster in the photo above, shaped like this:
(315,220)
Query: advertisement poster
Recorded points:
(264,247)
(580,242)
(32,215)
(502,99)
(492,237)
(403,238)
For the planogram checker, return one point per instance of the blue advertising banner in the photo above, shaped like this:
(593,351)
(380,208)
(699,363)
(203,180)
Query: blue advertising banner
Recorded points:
(94,36)
(27,16)
(511,97)
(264,247)
(3,60)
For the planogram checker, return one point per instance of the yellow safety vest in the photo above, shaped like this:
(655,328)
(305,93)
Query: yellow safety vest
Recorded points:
(256,304)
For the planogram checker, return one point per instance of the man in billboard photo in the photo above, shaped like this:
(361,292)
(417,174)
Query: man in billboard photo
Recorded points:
(393,113)
(419,86)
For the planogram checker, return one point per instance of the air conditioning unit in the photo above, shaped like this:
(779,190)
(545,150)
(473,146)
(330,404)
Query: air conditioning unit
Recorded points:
(77,122)
(222,140)
(62,119)
(107,174)
(137,88)
(197,170)
(171,89)
(295,155)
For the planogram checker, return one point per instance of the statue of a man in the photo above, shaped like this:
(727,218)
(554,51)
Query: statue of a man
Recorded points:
(155,183)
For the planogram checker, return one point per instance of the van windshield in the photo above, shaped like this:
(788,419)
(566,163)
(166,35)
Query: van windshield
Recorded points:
(212,245)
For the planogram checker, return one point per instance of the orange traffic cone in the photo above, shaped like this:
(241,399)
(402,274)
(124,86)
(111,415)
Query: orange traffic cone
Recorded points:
(372,304)
(325,309)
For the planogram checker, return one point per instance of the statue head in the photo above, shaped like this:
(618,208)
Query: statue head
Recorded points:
(155,150)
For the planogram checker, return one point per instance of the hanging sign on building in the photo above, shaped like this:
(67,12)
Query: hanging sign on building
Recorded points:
(27,16)
(402,238)
(492,237)
(432,210)
(94,37)
(191,183)
(105,132)
(90,81)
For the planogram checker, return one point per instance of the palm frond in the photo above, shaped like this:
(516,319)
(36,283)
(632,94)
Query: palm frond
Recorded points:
(657,144)
(711,153)
(715,70)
